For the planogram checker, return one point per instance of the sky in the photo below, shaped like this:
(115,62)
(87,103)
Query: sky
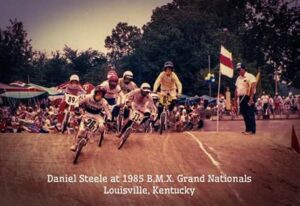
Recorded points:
(80,24)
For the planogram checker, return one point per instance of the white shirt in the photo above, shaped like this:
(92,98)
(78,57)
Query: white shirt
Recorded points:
(243,83)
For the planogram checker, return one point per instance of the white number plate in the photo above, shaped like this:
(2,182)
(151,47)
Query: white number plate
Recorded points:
(72,100)
(136,116)
(91,124)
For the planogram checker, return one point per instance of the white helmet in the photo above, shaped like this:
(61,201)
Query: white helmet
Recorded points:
(74,77)
(154,96)
(145,87)
(128,74)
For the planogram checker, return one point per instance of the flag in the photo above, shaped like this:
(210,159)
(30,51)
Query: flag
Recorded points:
(226,66)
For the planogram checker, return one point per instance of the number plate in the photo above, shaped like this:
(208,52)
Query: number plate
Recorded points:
(91,124)
(136,116)
(165,100)
(72,100)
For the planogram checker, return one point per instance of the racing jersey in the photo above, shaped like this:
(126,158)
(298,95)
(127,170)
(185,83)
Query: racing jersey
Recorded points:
(93,107)
(115,93)
(73,89)
(168,83)
(140,102)
(126,88)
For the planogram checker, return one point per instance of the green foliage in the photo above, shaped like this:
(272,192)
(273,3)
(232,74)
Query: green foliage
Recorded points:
(122,42)
(15,53)
(262,34)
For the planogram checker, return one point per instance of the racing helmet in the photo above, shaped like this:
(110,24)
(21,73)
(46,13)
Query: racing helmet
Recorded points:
(74,77)
(145,88)
(128,74)
(99,90)
(113,80)
(168,64)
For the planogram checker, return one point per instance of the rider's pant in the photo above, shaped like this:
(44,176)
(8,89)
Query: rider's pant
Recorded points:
(115,108)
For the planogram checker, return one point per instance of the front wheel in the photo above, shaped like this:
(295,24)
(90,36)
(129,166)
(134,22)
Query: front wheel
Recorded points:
(125,137)
(162,122)
(80,145)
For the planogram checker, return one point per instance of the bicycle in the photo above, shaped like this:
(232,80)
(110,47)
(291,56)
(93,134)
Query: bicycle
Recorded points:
(165,101)
(72,101)
(90,127)
(137,118)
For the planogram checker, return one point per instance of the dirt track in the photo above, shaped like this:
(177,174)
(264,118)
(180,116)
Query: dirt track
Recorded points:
(27,159)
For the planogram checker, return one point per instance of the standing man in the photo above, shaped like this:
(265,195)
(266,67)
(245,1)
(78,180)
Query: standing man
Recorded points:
(245,91)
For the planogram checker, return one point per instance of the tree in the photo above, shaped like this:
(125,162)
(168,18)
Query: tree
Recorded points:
(15,53)
(270,38)
(87,64)
(55,70)
(122,42)
(185,32)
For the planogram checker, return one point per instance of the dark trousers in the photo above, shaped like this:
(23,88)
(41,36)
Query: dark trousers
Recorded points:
(248,113)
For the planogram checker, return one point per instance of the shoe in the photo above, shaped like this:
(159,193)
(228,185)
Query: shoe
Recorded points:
(73,148)
(248,133)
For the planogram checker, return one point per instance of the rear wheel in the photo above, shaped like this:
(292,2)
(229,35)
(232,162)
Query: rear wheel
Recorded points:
(80,145)
(101,139)
(120,122)
(125,137)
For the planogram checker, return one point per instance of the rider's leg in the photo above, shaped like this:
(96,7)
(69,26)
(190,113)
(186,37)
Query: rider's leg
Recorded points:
(60,117)
(160,109)
(115,112)
(101,126)
(126,112)
(146,117)
(126,126)
(79,134)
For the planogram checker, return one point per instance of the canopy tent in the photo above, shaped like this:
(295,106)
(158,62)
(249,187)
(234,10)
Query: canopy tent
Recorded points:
(208,98)
(19,92)
(17,83)
(184,99)
(50,91)
(13,95)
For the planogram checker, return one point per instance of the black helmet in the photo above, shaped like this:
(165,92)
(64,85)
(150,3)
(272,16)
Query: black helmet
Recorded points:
(100,90)
(168,64)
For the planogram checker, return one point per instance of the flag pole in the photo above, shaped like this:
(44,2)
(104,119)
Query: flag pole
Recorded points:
(219,87)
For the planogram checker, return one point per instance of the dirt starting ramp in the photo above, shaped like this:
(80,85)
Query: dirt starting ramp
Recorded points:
(189,168)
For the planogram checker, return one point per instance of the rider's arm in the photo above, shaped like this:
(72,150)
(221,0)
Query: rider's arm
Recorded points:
(81,91)
(157,82)
(107,110)
(178,84)
(152,106)
(120,97)
(129,96)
